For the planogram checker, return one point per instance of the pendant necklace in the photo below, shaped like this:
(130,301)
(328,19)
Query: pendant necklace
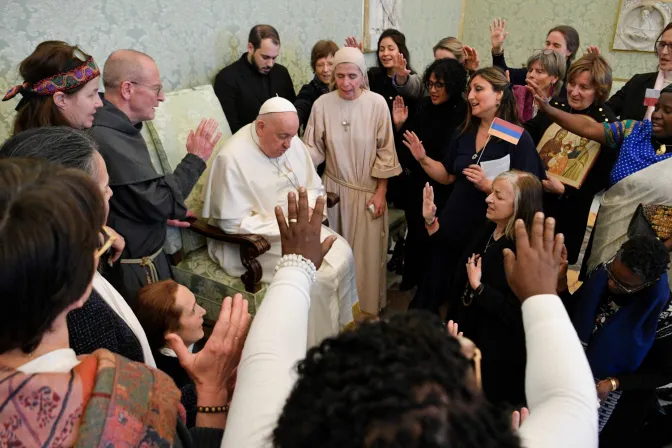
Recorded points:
(288,165)
(490,241)
(346,118)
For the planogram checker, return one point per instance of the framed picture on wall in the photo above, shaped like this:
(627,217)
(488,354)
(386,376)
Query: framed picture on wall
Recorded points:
(379,15)
(639,24)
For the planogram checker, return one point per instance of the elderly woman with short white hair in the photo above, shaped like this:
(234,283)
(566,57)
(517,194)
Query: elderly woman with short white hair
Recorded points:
(351,129)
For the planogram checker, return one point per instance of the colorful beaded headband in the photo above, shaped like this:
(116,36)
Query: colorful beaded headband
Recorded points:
(61,82)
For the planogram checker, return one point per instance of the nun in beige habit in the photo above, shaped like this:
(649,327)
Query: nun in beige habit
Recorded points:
(350,128)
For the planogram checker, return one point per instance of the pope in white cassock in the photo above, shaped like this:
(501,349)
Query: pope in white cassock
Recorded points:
(252,174)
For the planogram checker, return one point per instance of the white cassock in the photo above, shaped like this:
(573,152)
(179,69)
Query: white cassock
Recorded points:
(244,187)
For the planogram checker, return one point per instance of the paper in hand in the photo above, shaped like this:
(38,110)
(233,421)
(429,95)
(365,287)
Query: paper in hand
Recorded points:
(494,168)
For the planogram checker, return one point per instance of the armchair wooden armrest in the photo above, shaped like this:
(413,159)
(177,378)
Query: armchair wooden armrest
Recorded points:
(251,246)
(332,199)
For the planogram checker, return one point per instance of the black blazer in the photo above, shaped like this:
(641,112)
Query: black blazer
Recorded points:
(628,103)
(308,94)
(242,90)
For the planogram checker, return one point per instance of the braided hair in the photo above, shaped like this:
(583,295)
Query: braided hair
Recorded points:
(401,382)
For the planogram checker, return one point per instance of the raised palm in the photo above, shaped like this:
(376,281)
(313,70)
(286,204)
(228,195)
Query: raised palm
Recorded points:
(399,112)
(498,34)
(428,206)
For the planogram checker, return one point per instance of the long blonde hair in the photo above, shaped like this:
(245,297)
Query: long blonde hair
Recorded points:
(527,199)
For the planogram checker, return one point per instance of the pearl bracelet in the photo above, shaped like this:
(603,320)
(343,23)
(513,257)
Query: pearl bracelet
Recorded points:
(298,261)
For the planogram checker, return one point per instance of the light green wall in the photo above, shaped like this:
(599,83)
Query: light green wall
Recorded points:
(192,40)
(425,22)
(528,22)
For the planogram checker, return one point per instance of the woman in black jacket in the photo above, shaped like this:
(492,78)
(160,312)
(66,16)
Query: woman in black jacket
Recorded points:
(322,62)
(434,122)
(577,168)
(488,312)
(628,103)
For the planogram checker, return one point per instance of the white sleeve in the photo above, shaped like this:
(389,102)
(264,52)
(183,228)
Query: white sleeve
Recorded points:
(252,223)
(559,385)
(276,342)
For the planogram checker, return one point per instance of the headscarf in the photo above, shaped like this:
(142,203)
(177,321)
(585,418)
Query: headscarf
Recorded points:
(353,56)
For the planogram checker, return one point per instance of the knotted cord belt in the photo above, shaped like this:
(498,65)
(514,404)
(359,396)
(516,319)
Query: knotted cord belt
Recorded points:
(348,185)
(147,263)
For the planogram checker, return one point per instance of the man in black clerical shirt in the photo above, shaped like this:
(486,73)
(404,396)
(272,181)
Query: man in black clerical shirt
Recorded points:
(243,86)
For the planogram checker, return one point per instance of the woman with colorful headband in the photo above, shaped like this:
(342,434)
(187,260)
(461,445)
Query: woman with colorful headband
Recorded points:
(60,87)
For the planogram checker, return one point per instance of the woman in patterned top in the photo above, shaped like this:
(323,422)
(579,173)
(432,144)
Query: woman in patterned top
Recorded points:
(622,317)
(641,174)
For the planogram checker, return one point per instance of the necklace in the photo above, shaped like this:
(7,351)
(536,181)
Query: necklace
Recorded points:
(478,154)
(282,173)
(346,117)
(491,241)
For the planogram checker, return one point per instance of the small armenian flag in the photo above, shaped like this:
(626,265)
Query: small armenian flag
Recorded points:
(506,131)
(651,97)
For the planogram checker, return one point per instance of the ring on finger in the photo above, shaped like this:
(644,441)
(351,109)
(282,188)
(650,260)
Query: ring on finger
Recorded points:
(293,220)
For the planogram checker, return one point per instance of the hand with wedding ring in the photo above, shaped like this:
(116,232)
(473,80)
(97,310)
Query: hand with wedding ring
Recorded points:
(301,233)
(474,272)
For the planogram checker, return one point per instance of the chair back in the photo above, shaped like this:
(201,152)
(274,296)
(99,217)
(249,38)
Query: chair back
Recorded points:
(180,113)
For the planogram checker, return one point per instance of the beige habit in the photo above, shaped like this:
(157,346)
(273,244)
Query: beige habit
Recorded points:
(356,140)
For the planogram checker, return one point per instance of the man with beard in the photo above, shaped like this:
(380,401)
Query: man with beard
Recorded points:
(243,86)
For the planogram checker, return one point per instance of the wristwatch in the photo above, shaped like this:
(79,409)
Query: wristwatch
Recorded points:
(479,289)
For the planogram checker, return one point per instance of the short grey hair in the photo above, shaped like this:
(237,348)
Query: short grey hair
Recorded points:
(553,63)
(64,145)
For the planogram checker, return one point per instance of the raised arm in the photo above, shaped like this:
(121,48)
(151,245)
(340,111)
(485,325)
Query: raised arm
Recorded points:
(575,124)
(277,339)
(433,168)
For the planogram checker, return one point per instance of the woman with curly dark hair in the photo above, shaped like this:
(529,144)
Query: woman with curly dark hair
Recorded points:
(435,120)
